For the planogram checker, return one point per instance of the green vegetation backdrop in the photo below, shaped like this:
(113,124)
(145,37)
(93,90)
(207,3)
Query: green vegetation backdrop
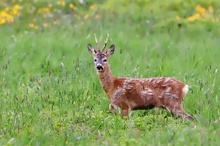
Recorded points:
(50,93)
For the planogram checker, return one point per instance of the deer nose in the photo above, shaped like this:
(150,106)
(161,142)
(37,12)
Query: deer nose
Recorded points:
(99,67)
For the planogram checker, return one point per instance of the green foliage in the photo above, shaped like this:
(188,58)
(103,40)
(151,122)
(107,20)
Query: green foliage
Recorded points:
(50,93)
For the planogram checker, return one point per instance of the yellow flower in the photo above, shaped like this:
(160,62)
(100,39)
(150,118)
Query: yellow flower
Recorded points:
(92,6)
(86,16)
(2,21)
(14,12)
(10,19)
(45,25)
(6,17)
(43,10)
(31,25)
(200,9)
(72,7)
(178,18)
(62,3)
(194,17)
(17,7)
(6,9)
(210,9)
(50,5)
(7,14)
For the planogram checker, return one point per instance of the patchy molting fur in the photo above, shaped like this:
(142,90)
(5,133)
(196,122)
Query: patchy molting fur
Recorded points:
(127,94)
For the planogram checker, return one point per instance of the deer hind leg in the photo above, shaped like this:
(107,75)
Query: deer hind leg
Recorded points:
(177,111)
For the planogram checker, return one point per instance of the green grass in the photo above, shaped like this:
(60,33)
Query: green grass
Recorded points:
(50,93)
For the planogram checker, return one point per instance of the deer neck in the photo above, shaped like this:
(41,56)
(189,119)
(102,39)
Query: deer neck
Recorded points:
(106,79)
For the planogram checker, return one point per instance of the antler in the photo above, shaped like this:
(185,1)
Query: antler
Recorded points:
(97,44)
(106,41)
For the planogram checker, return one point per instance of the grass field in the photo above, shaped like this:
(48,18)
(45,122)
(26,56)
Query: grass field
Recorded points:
(49,90)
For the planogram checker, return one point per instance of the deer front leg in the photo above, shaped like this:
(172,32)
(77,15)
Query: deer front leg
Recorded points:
(125,111)
(112,108)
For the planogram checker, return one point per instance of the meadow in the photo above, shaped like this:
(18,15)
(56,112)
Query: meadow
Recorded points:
(49,90)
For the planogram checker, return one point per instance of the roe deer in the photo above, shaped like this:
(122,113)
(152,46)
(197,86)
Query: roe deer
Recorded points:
(128,94)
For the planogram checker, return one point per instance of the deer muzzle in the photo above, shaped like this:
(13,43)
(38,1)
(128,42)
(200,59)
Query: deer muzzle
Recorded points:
(99,67)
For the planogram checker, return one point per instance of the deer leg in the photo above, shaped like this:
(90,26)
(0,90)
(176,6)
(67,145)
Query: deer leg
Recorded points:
(125,112)
(183,115)
(188,117)
(177,111)
(113,107)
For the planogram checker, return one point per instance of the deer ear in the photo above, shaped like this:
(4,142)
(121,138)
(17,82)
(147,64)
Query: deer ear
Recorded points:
(91,50)
(110,50)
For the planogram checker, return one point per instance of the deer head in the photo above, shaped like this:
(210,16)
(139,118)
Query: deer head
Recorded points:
(101,56)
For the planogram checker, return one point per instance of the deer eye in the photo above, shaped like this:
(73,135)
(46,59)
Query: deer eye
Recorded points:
(104,60)
(95,60)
